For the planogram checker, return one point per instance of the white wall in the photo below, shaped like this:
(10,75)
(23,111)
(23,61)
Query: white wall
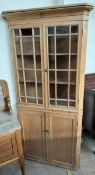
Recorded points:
(90,56)
(6,71)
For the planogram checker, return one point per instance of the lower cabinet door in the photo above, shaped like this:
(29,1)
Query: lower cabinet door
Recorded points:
(33,134)
(59,139)
(50,137)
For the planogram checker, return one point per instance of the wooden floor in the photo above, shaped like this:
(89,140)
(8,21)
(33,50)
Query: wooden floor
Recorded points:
(34,168)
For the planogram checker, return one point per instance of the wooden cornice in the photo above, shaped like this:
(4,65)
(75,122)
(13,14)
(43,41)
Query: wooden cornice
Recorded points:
(41,12)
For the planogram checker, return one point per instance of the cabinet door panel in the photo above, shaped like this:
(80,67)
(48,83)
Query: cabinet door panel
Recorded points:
(59,138)
(29,64)
(33,128)
(62,55)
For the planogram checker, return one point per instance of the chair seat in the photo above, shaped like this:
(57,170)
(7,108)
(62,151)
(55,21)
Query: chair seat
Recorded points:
(8,122)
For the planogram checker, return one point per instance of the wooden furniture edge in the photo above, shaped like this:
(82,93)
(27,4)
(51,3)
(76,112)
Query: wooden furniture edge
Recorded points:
(20,151)
(6,96)
(8,15)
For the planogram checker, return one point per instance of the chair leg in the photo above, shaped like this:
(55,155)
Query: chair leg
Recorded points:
(22,170)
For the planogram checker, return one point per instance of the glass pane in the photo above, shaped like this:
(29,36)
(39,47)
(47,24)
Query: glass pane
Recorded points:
(16,32)
(30,89)
(20,73)
(74,43)
(72,104)
(50,30)
(51,44)
(39,83)
(52,76)
(74,29)
(18,48)
(37,45)
(28,61)
(62,103)
(22,91)
(39,77)
(19,61)
(2,104)
(31,100)
(38,61)
(52,90)
(73,77)
(62,61)
(30,76)
(40,101)
(62,76)
(62,44)
(27,46)
(62,91)
(26,32)
(52,102)
(72,92)
(62,29)
(36,31)
(51,62)
(39,89)
(23,99)
(73,62)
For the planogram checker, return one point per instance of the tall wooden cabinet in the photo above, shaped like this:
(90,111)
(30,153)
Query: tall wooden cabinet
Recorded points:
(49,50)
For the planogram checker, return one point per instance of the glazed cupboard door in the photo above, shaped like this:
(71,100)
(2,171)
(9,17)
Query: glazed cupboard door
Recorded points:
(60,138)
(62,54)
(33,134)
(29,64)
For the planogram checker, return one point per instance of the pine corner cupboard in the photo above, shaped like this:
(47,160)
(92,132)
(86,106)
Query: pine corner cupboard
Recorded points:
(49,50)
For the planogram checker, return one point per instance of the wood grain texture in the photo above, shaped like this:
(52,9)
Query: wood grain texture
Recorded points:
(11,150)
(43,12)
(5,90)
(33,129)
(59,138)
(51,133)
(8,149)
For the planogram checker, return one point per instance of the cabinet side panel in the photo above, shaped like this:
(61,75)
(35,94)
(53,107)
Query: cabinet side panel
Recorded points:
(8,148)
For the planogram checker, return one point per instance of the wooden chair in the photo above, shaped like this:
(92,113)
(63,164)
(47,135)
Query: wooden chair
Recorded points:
(11,151)
(5,91)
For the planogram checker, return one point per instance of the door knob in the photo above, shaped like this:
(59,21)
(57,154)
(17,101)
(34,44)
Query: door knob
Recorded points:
(47,131)
(46,70)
